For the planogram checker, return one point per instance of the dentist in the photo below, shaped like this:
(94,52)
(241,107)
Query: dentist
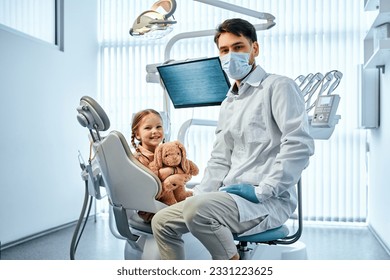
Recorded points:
(262,146)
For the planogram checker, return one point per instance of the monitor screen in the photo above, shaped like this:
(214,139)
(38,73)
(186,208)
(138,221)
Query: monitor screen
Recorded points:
(195,83)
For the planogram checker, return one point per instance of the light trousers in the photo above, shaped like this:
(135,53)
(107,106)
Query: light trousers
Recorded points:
(210,217)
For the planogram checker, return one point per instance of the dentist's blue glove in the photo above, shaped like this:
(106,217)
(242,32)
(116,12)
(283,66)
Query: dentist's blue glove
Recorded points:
(246,191)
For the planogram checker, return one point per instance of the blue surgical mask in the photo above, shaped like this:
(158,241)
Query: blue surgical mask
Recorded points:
(236,64)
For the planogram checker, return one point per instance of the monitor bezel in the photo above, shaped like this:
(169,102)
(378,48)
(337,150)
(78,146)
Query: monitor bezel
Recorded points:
(195,104)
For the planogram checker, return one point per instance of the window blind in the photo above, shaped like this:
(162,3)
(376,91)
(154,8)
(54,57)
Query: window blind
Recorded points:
(310,36)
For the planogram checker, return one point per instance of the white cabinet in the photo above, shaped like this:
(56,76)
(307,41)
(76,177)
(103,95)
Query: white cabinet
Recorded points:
(377,51)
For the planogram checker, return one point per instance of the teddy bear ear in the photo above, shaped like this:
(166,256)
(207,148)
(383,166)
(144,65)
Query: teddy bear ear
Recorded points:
(194,170)
(182,148)
(185,165)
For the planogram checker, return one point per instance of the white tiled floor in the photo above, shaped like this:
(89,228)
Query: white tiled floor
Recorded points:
(97,243)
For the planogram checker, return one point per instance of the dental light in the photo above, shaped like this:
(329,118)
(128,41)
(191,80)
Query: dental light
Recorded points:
(156,25)
(153,24)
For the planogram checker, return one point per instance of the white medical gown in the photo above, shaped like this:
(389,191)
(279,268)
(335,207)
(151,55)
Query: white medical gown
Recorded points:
(262,138)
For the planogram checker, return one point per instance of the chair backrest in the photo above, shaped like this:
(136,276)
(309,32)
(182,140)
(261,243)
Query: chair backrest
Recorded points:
(129,184)
(290,239)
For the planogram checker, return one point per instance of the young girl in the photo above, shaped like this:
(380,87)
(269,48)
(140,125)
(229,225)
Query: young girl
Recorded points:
(147,129)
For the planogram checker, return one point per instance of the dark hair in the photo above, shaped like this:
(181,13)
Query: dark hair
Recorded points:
(136,121)
(238,27)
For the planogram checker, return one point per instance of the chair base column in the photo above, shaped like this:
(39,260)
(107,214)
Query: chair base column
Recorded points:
(296,251)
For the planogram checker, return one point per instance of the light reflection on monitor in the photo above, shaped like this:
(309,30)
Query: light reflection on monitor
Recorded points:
(195,83)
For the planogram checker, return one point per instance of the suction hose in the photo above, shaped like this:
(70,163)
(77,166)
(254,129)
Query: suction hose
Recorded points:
(76,236)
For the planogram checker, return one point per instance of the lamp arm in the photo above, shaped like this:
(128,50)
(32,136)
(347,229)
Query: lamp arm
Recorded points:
(173,9)
(160,3)
(238,9)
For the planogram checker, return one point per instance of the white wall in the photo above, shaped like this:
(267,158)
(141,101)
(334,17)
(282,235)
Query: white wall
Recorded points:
(40,88)
(379,162)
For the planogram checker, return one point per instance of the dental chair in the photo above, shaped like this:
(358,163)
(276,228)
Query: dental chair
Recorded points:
(129,185)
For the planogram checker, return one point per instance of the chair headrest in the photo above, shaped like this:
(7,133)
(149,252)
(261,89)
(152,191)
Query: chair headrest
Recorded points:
(91,115)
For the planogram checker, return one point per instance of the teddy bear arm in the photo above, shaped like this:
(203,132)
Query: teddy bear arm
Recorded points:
(179,170)
(165,172)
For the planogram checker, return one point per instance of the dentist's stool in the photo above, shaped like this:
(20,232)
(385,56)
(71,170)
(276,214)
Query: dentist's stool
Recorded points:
(288,246)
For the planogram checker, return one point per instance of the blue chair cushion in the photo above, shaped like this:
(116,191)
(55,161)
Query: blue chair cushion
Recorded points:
(269,235)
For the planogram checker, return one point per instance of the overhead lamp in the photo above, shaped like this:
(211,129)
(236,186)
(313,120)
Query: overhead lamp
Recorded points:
(152,23)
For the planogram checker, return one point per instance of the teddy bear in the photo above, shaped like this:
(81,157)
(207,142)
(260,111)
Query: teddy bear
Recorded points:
(173,168)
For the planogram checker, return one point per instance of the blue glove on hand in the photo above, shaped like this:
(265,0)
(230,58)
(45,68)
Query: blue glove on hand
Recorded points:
(246,191)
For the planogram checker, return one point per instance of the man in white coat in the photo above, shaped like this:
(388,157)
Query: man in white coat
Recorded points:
(262,146)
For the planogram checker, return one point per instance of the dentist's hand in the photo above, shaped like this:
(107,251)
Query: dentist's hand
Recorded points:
(246,191)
